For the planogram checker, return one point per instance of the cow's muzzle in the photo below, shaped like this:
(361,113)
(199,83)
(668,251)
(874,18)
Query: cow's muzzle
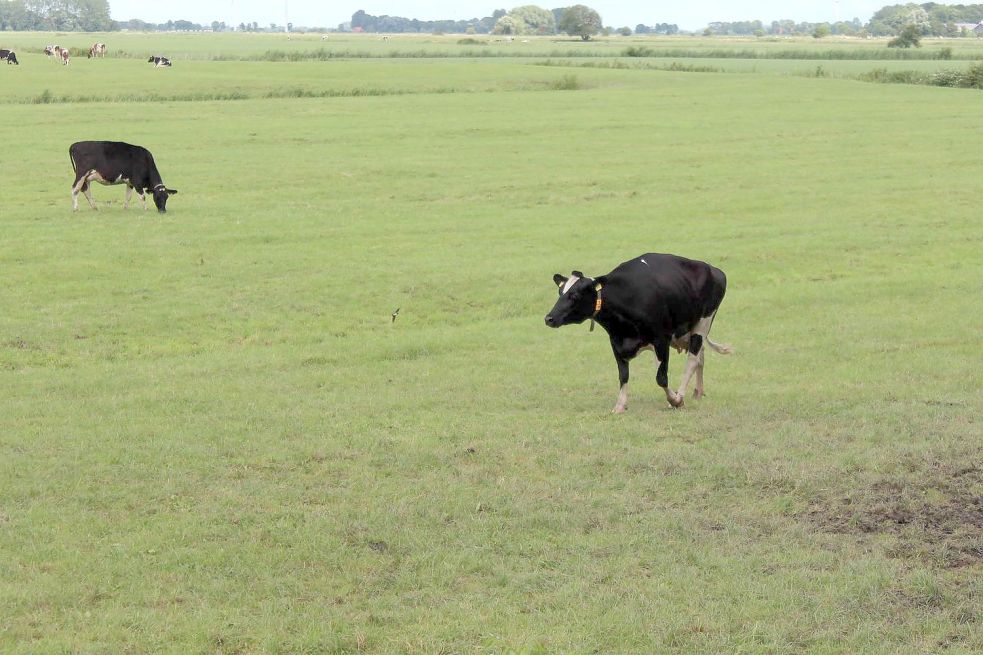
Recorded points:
(551,321)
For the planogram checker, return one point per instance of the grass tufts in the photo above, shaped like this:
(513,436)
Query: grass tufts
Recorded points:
(43,98)
(566,83)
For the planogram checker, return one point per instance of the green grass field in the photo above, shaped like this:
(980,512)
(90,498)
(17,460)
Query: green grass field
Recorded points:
(213,439)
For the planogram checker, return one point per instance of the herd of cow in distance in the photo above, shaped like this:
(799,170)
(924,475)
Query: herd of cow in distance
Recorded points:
(653,302)
(63,55)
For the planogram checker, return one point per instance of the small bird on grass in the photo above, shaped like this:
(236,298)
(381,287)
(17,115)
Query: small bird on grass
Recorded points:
(395,314)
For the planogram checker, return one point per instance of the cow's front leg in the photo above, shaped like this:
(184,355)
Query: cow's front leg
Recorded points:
(126,198)
(622,403)
(662,375)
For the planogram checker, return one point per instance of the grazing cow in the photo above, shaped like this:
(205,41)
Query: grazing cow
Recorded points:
(97,50)
(159,61)
(649,303)
(49,50)
(9,57)
(112,162)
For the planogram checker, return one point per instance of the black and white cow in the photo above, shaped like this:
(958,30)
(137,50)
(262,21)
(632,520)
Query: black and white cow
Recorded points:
(9,57)
(651,302)
(113,162)
(159,61)
(49,50)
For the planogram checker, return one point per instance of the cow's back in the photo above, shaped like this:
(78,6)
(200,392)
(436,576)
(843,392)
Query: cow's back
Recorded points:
(109,157)
(670,291)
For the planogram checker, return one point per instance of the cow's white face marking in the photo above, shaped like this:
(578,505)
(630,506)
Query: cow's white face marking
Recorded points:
(645,262)
(572,281)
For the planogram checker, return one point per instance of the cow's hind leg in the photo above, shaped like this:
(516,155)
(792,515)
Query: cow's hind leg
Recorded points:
(82,185)
(694,361)
(698,389)
(126,198)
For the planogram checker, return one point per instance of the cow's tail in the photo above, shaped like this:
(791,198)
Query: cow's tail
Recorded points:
(722,348)
(75,168)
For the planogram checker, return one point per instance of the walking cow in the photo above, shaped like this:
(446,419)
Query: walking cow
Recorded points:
(651,302)
(97,50)
(113,162)
(8,56)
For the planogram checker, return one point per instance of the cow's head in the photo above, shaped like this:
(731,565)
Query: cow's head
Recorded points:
(12,59)
(577,300)
(160,197)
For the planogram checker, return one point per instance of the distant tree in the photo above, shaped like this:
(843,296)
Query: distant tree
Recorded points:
(510,25)
(822,31)
(580,20)
(536,19)
(911,35)
(63,15)
(624,31)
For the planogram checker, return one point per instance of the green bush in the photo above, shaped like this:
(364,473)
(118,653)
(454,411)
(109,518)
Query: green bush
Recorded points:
(949,77)
(973,78)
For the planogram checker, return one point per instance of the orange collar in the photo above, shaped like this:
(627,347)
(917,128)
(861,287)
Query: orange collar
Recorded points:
(597,305)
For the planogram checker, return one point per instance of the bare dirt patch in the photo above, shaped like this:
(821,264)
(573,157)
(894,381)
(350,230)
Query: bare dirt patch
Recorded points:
(935,512)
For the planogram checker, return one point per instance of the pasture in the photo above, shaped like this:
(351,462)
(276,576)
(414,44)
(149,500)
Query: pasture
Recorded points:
(214,438)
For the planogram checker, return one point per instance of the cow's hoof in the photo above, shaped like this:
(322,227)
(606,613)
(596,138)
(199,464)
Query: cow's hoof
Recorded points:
(676,400)
(619,409)
(698,393)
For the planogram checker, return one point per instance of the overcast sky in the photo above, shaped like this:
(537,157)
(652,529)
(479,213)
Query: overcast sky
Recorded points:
(688,14)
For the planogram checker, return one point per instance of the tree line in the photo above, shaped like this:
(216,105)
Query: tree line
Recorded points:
(929,19)
(578,20)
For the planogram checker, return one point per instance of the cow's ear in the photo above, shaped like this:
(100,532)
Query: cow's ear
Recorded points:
(577,274)
(171,192)
(559,280)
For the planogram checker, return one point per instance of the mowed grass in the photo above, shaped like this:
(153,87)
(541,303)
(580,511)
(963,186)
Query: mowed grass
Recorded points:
(215,439)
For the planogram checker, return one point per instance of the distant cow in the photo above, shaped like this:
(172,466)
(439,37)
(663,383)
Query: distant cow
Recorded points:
(159,61)
(112,162)
(50,50)
(97,50)
(649,303)
(9,57)
(62,54)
